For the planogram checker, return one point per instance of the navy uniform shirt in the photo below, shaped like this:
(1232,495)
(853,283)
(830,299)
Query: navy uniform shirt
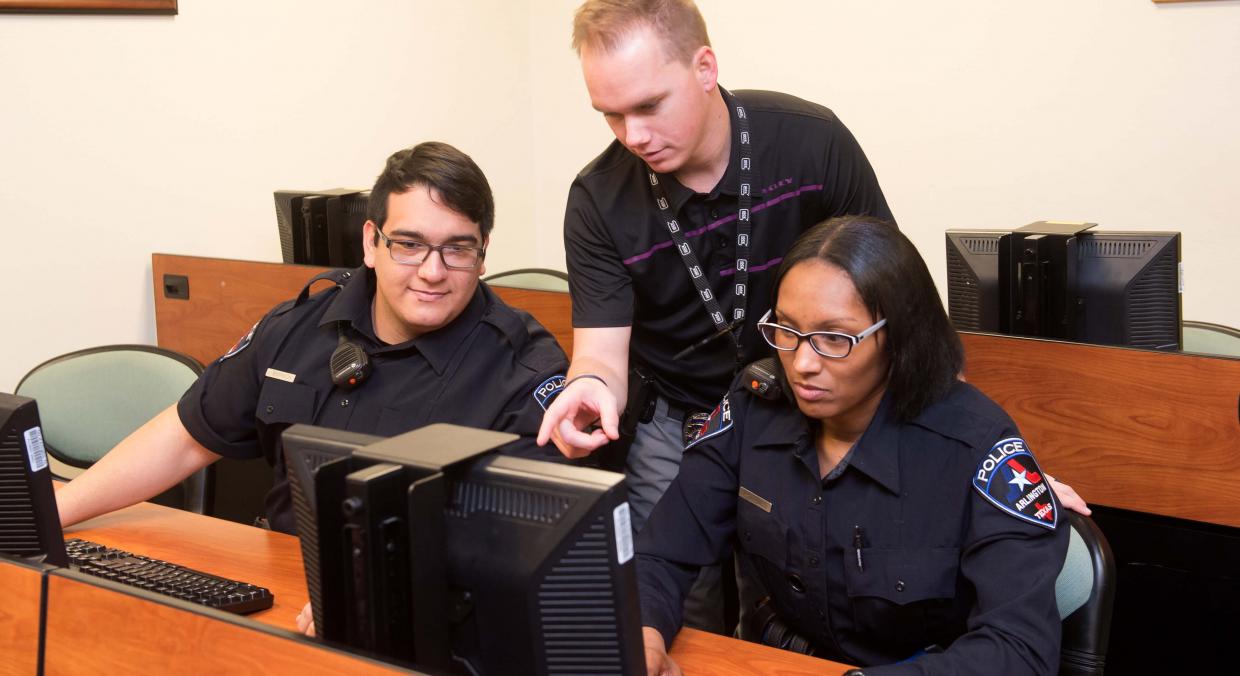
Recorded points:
(624,270)
(940,563)
(491,368)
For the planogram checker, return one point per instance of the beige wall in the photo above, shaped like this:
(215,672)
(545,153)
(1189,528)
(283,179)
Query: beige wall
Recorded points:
(121,136)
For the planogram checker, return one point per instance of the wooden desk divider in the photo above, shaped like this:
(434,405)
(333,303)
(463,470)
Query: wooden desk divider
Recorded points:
(21,588)
(227,296)
(95,626)
(1140,430)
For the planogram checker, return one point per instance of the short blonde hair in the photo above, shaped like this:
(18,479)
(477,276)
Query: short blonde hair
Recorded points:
(605,23)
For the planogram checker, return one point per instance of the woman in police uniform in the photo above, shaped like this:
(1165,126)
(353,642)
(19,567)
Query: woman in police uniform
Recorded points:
(892,512)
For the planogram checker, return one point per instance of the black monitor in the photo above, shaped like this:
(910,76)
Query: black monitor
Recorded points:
(29,520)
(430,549)
(1064,281)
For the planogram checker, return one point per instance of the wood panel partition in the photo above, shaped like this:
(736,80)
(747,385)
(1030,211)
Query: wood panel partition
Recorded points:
(19,616)
(227,296)
(1146,431)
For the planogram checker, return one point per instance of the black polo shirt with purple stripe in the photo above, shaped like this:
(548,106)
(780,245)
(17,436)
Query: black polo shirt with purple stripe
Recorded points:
(624,270)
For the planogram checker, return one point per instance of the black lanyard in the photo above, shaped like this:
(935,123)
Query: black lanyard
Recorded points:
(744,205)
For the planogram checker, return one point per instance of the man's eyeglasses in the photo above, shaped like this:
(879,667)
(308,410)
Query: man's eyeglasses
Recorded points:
(831,344)
(412,252)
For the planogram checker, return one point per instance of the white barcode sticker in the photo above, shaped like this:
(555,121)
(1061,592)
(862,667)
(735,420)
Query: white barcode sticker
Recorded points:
(34,449)
(624,533)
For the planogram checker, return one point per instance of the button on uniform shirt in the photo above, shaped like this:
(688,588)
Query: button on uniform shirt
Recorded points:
(939,562)
(624,270)
(485,369)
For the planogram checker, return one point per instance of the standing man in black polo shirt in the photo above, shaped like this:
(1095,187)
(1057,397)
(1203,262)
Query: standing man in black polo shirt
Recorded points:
(442,348)
(673,232)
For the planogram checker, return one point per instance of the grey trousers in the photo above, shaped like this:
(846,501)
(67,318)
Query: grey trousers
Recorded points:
(653,462)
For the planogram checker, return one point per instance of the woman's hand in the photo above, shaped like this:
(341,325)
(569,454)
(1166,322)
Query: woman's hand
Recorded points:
(658,662)
(305,621)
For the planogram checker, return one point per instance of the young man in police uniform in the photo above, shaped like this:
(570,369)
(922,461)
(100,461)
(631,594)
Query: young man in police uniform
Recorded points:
(442,348)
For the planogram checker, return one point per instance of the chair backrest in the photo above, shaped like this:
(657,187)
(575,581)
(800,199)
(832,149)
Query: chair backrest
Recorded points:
(543,294)
(1207,338)
(1085,593)
(91,399)
(538,279)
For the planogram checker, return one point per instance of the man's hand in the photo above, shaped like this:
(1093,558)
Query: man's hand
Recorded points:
(1068,497)
(581,418)
(305,621)
(658,662)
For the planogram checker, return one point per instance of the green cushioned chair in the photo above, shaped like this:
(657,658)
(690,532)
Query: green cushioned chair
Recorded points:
(539,279)
(1207,338)
(1085,593)
(91,399)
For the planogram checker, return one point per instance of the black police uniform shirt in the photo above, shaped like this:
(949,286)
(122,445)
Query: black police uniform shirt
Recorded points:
(492,367)
(624,270)
(896,550)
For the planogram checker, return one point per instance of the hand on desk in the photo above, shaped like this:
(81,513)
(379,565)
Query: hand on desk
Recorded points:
(1068,497)
(658,662)
(305,621)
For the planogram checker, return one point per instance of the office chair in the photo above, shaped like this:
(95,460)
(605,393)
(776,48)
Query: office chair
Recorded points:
(91,399)
(1085,593)
(1207,338)
(538,279)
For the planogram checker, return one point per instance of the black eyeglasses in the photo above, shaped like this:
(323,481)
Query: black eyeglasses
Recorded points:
(412,252)
(832,344)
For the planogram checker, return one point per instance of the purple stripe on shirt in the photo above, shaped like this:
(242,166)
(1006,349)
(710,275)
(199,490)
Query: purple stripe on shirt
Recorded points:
(753,268)
(727,219)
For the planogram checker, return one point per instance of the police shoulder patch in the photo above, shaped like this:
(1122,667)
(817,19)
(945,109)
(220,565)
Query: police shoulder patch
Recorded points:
(1010,479)
(544,393)
(720,421)
(241,344)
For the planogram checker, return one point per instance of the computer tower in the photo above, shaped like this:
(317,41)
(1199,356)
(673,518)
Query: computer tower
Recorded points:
(301,217)
(346,216)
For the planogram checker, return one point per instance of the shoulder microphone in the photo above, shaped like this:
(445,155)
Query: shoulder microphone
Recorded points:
(350,365)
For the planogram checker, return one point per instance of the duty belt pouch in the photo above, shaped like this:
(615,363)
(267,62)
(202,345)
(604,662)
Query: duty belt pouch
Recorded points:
(765,627)
(640,405)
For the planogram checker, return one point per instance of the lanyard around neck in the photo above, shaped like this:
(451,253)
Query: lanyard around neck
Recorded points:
(744,143)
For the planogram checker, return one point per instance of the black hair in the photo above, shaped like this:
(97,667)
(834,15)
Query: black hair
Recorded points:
(450,174)
(891,278)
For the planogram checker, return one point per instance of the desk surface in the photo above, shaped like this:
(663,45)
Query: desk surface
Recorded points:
(273,560)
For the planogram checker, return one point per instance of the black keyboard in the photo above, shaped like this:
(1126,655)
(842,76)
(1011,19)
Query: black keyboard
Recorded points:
(166,578)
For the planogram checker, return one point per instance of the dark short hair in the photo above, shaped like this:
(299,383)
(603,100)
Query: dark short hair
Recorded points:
(450,174)
(892,279)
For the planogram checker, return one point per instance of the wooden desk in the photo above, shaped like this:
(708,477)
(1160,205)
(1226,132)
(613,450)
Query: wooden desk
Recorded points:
(20,617)
(117,629)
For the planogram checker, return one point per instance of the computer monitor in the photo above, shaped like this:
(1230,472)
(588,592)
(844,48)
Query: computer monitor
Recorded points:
(973,279)
(1102,287)
(1131,289)
(432,549)
(29,520)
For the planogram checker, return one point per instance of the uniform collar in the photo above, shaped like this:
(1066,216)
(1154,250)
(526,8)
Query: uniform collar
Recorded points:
(353,305)
(678,195)
(876,453)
